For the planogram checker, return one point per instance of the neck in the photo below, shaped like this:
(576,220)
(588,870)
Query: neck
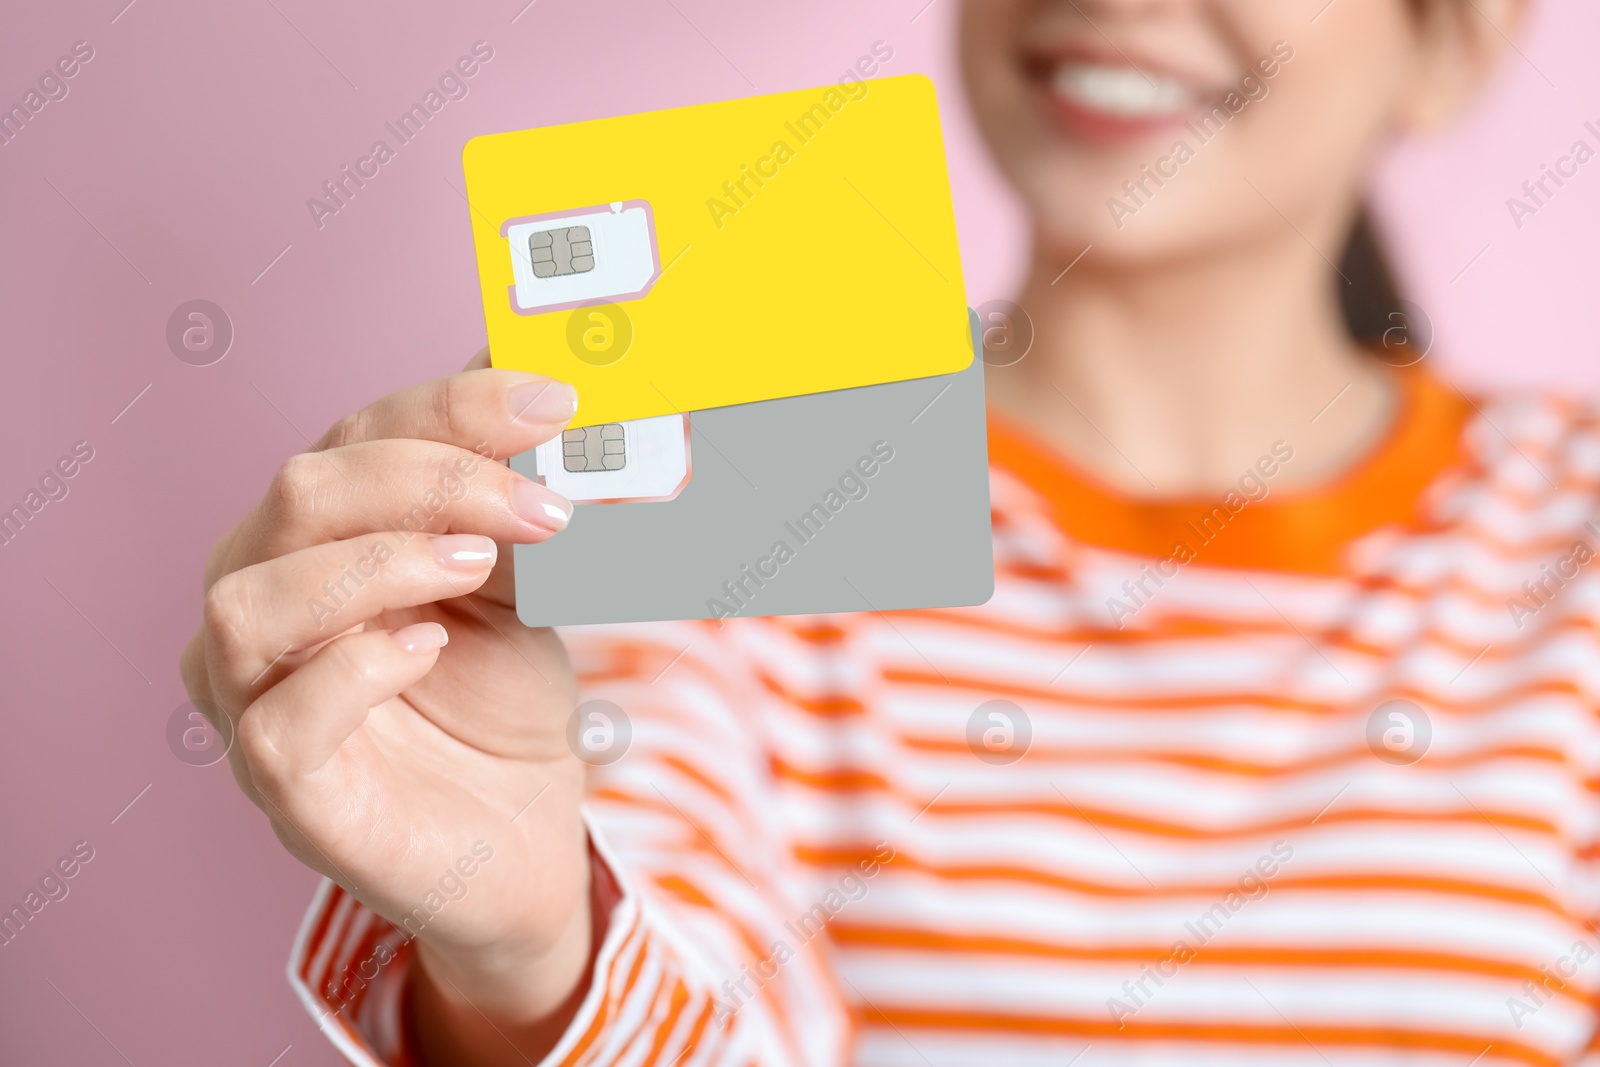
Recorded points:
(1168,381)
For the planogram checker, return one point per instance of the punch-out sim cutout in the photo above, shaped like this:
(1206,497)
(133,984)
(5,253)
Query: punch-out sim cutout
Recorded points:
(566,259)
(619,462)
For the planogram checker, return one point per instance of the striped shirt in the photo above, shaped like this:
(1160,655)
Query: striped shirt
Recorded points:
(1281,777)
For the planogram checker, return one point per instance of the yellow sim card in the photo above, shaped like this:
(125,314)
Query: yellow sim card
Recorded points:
(724,253)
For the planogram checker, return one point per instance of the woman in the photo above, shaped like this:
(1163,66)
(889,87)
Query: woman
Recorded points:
(1281,718)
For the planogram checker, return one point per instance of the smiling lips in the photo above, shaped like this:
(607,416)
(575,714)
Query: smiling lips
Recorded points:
(1116,102)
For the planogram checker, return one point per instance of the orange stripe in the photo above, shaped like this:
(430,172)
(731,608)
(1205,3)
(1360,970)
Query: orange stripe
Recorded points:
(1189,702)
(377,930)
(675,1005)
(1176,627)
(336,936)
(638,941)
(749,937)
(695,774)
(834,705)
(1282,883)
(1202,761)
(1294,1036)
(684,890)
(698,1031)
(826,705)
(939,943)
(1179,831)
(318,933)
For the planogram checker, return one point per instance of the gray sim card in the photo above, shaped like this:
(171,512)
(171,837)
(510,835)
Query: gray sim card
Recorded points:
(867,499)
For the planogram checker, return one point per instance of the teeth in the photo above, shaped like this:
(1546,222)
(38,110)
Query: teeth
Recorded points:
(1122,91)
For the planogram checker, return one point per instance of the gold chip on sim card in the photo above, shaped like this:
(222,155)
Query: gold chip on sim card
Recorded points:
(620,462)
(563,250)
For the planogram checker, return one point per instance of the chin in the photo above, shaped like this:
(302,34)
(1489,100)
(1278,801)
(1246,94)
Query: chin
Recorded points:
(1066,206)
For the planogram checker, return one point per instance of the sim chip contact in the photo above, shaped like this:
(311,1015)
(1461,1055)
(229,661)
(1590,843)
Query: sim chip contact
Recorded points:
(619,462)
(567,259)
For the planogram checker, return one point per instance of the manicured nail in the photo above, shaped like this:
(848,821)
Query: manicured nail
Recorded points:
(543,401)
(422,637)
(542,507)
(464,552)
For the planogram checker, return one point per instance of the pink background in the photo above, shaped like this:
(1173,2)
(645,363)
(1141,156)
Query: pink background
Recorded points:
(191,142)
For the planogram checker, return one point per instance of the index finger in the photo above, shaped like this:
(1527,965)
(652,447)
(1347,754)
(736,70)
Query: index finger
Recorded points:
(508,411)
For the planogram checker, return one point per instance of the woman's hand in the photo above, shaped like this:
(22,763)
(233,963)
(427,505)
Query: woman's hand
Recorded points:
(382,755)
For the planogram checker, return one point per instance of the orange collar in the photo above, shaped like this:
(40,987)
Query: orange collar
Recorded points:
(1304,531)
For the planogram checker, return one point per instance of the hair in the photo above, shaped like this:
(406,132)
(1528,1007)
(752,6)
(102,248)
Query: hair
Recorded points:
(1369,296)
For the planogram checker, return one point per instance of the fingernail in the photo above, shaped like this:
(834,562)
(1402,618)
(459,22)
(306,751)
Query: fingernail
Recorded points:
(464,552)
(542,507)
(422,637)
(543,401)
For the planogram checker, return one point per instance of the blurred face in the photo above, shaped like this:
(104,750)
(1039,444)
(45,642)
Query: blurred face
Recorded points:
(1140,126)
